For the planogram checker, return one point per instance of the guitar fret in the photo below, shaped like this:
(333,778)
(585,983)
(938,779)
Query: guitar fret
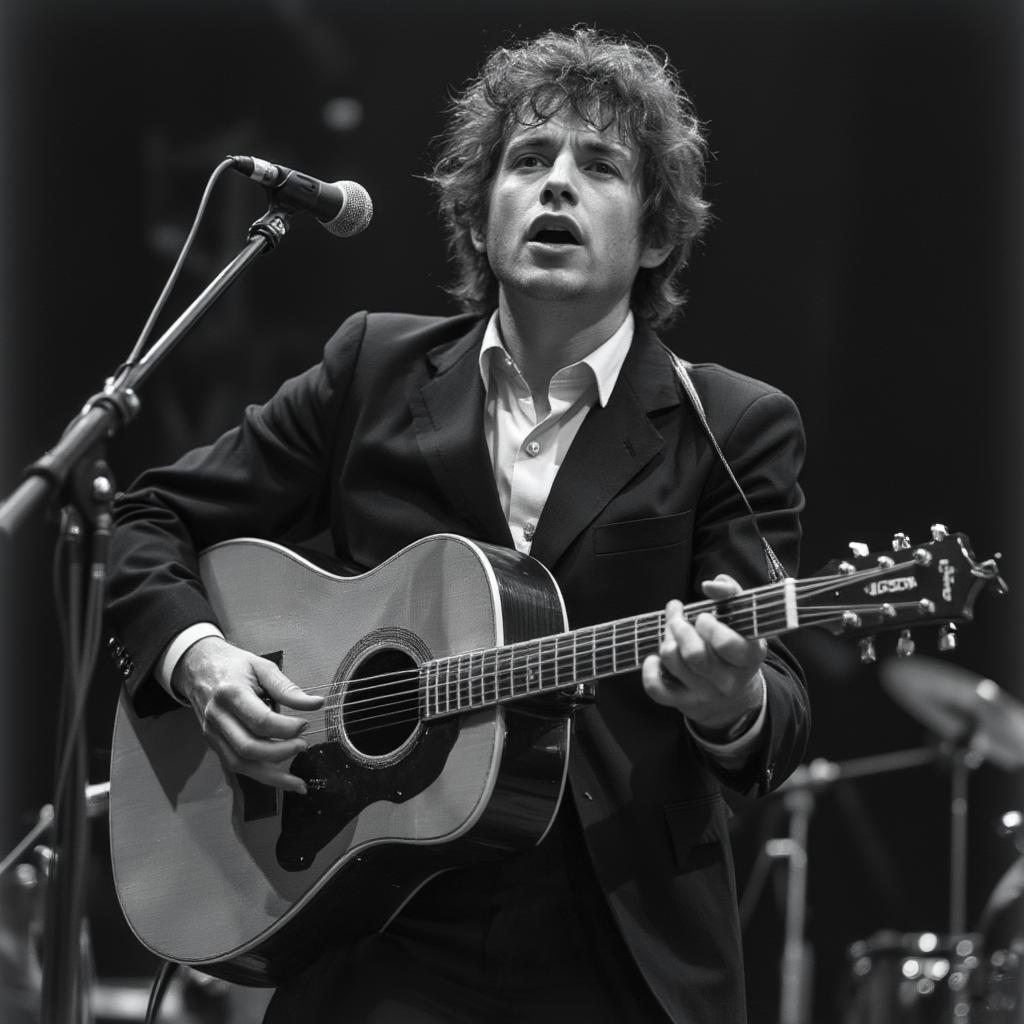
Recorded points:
(476,680)
(505,676)
(548,659)
(624,647)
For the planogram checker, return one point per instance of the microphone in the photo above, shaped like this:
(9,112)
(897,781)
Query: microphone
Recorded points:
(342,207)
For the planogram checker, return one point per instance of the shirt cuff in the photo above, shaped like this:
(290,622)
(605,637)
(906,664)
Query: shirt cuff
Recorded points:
(176,648)
(734,753)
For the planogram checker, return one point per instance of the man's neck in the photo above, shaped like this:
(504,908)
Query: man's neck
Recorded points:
(543,337)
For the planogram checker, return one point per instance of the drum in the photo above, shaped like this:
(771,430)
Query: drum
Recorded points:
(911,978)
(999,987)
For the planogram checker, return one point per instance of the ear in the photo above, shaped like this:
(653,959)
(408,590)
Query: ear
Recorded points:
(478,239)
(654,255)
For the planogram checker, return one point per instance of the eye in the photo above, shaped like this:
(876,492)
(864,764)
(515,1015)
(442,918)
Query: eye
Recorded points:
(528,161)
(603,167)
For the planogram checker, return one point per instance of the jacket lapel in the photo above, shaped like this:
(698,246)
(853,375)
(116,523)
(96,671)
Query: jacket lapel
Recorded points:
(613,444)
(448,411)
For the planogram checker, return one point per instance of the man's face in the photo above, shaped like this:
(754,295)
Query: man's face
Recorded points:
(564,216)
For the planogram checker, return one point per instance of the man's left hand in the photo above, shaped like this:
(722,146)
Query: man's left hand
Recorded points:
(704,668)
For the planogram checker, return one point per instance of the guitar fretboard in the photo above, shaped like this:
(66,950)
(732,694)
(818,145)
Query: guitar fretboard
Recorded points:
(479,679)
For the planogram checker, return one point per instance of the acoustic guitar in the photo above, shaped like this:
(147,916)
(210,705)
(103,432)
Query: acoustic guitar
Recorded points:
(450,676)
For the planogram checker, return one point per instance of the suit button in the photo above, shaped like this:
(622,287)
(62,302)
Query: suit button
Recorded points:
(126,669)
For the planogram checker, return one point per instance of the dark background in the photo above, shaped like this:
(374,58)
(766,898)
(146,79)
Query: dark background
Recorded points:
(865,258)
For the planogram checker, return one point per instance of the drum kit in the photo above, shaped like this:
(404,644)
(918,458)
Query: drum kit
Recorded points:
(960,975)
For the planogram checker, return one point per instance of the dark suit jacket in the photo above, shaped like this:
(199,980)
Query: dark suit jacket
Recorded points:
(382,443)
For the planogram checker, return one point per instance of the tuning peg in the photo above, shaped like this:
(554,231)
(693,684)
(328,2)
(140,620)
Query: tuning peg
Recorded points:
(858,549)
(900,542)
(939,532)
(947,637)
(867,650)
(905,646)
(922,556)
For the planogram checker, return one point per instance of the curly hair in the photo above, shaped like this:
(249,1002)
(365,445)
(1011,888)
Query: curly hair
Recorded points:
(606,82)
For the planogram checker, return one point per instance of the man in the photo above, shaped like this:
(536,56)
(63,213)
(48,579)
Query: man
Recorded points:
(550,419)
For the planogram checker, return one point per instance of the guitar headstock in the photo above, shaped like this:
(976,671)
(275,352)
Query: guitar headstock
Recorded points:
(912,585)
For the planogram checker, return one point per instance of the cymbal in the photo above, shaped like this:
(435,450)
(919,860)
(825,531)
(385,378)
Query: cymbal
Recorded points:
(959,705)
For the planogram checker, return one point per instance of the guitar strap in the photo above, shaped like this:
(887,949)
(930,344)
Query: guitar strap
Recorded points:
(776,571)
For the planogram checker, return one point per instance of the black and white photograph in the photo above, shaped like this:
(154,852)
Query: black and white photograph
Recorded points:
(511,513)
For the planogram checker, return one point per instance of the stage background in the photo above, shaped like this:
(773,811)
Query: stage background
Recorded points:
(865,257)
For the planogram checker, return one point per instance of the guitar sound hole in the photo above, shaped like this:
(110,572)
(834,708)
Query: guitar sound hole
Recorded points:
(381,707)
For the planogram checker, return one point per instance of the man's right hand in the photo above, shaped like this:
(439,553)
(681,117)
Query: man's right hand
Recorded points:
(228,689)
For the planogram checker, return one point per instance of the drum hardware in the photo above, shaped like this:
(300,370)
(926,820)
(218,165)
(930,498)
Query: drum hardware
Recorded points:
(958,978)
(979,720)
(799,794)
(915,978)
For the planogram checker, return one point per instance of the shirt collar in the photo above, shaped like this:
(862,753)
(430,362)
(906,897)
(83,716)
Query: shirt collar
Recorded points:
(604,363)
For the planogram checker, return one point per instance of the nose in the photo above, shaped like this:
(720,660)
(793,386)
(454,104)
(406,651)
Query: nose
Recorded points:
(560,185)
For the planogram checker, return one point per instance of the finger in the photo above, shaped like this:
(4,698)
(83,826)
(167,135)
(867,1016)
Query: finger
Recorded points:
(690,649)
(281,689)
(273,772)
(251,708)
(721,587)
(660,687)
(728,645)
(245,746)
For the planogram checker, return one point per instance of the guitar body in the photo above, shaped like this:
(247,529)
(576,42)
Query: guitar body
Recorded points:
(249,883)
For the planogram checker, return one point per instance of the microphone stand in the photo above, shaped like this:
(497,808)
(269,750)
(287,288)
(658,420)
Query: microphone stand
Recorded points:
(117,405)
(75,473)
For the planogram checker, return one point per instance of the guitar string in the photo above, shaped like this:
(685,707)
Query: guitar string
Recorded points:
(625,648)
(738,617)
(602,666)
(404,707)
(546,659)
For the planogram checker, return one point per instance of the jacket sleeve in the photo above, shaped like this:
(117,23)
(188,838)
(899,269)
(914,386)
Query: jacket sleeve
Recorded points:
(764,446)
(267,477)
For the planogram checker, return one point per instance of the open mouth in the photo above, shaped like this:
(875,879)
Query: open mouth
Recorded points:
(549,230)
(555,236)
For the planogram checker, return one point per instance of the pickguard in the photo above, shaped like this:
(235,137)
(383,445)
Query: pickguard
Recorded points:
(339,788)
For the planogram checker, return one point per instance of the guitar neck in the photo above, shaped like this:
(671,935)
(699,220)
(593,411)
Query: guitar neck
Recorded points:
(479,679)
